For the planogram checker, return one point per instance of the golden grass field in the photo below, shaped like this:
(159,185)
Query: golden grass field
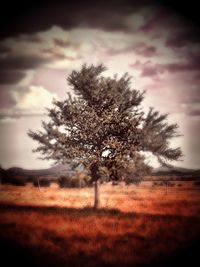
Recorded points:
(135,225)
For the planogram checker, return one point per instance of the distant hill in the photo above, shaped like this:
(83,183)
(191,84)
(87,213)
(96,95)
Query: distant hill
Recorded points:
(178,171)
(61,169)
(55,171)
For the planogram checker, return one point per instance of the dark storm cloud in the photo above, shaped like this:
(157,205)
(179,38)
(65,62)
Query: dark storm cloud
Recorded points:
(4,49)
(160,19)
(171,17)
(108,15)
(11,77)
(6,94)
(30,17)
(183,38)
(6,100)
(149,69)
(22,62)
(139,48)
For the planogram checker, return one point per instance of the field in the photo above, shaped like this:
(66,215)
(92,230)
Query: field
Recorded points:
(141,225)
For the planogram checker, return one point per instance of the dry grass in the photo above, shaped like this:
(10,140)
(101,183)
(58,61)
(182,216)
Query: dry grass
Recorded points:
(142,225)
(183,200)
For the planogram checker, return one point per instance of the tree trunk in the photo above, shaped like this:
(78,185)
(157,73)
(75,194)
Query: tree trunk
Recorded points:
(38,184)
(96,195)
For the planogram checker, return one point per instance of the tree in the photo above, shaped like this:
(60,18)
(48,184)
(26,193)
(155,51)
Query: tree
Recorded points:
(104,128)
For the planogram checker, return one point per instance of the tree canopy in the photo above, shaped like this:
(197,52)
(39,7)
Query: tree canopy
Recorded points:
(103,127)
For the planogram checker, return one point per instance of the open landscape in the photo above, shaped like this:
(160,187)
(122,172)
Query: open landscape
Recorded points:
(136,225)
(100,125)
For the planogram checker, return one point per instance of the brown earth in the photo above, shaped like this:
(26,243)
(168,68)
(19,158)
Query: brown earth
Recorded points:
(135,226)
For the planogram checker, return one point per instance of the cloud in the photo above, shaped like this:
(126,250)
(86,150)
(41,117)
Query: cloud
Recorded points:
(6,119)
(183,37)
(194,112)
(61,43)
(25,53)
(6,100)
(113,15)
(164,22)
(35,98)
(150,69)
(191,109)
(3,51)
(12,116)
(33,38)
(189,95)
(139,48)
(156,21)
(11,77)
(28,102)
(188,66)
(22,62)
(145,50)
(146,41)
(67,47)
(57,51)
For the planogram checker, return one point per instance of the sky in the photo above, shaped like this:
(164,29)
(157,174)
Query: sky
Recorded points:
(155,44)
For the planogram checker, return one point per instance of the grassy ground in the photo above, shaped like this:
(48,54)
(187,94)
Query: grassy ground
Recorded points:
(135,226)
